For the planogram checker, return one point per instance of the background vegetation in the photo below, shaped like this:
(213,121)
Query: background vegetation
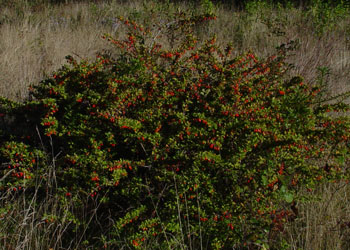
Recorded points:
(36,36)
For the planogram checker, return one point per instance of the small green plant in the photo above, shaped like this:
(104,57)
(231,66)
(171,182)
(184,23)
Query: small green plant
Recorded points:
(208,6)
(256,8)
(325,16)
(182,148)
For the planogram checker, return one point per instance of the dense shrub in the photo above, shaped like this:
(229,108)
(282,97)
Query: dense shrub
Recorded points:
(172,148)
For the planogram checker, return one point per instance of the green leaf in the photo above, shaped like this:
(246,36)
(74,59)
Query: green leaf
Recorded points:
(289,197)
(341,160)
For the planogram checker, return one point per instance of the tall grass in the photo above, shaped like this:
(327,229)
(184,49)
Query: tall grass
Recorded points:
(35,38)
(41,221)
(324,221)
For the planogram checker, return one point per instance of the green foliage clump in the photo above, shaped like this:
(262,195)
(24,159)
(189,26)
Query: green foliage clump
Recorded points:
(168,148)
(326,14)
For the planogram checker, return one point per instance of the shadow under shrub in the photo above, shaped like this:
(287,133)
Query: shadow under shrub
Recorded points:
(173,148)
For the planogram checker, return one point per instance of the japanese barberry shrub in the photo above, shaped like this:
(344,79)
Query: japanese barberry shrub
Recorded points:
(187,146)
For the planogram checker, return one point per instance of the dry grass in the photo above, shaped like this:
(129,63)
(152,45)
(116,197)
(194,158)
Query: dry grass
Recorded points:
(324,221)
(29,223)
(35,43)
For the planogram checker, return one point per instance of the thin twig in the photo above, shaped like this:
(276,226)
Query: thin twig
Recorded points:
(179,211)
(7,174)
